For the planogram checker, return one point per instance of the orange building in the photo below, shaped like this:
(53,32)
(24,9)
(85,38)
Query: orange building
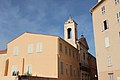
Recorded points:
(3,54)
(47,56)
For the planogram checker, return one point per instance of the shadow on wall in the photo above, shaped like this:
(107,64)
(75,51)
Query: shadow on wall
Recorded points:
(34,78)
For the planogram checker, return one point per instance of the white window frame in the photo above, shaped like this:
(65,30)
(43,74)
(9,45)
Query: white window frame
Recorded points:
(118,17)
(117,1)
(109,61)
(103,10)
(14,68)
(30,48)
(29,69)
(107,42)
(111,76)
(15,51)
(39,47)
(103,27)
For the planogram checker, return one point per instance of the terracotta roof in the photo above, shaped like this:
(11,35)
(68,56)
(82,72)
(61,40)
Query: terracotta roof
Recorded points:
(96,5)
(3,51)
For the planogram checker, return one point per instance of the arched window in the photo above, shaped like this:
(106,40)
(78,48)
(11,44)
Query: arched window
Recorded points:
(69,33)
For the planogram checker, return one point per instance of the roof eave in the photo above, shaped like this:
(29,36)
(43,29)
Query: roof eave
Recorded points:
(3,51)
(96,5)
(31,33)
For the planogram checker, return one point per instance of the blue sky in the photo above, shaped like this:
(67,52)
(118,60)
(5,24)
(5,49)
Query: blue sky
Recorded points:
(46,17)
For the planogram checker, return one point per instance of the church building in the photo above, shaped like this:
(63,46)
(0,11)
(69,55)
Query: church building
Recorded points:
(47,57)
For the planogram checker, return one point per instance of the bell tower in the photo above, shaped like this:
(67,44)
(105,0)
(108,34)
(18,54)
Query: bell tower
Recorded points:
(70,32)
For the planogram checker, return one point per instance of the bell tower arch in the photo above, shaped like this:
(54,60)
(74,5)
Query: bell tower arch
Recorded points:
(70,32)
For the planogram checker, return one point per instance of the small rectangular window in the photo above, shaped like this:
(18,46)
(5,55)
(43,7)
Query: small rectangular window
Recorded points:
(82,76)
(60,46)
(29,69)
(118,16)
(30,48)
(84,56)
(107,42)
(117,1)
(104,25)
(73,54)
(111,76)
(66,69)
(69,52)
(15,72)
(77,56)
(78,72)
(61,67)
(109,61)
(70,70)
(65,49)
(119,34)
(103,10)
(15,51)
(39,47)
(74,71)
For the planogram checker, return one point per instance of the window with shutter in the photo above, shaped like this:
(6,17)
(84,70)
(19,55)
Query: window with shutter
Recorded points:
(30,48)
(29,69)
(117,1)
(15,51)
(103,10)
(111,76)
(118,16)
(105,25)
(109,61)
(15,72)
(39,47)
(107,42)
